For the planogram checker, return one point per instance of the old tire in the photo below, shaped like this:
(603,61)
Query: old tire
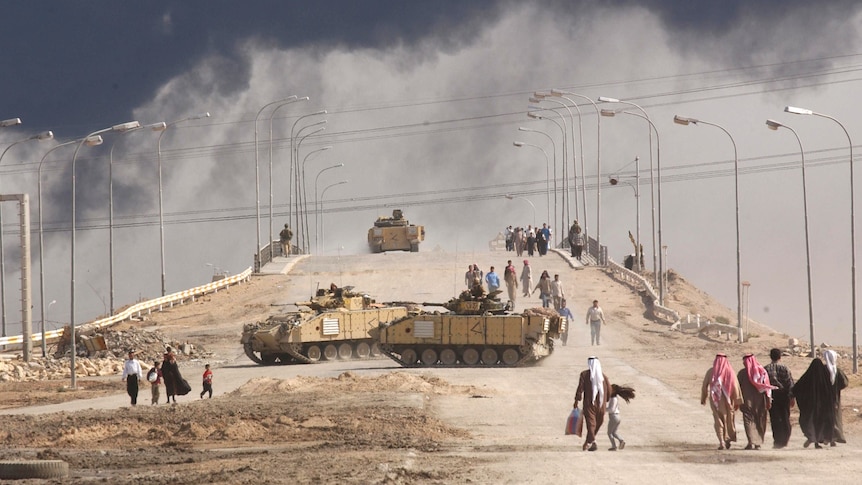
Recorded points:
(345,351)
(314,353)
(448,357)
(470,356)
(330,352)
(429,357)
(409,357)
(489,356)
(511,356)
(13,470)
(375,350)
(363,350)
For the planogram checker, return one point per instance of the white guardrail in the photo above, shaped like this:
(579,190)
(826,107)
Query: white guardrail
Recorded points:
(138,309)
(635,279)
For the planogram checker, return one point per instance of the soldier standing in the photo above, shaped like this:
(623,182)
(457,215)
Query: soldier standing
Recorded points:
(286,235)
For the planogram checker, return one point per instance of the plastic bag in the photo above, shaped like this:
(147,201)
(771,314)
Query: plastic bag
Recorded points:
(572,422)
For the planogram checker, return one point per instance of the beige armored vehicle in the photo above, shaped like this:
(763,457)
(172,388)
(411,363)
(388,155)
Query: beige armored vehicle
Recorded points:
(395,234)
(335,324)
(477,331)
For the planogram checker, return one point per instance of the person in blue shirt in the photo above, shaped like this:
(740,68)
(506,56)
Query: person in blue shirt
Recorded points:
(493,280)
(565,312)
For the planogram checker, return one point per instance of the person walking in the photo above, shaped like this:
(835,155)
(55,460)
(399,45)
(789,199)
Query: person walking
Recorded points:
(839,381)
(527,278)
(756,400)
(557,292)
(577,241)
(816,401)
(284,238)
(544,287)
(782,399)
(520,241)
(132,373)
(531,241)
(493,280)
(721,387)
(565,312)
(207,382)
(595,390)
(154,377)
(468,277)
(595,319)
(170,374)
(510,276)
(617,392)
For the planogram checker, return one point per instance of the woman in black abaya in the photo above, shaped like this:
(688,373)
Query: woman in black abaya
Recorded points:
(816,401)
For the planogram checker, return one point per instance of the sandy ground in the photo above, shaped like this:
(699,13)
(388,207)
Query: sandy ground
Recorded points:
(373,422)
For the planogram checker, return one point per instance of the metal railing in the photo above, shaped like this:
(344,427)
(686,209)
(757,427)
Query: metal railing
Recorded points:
(138,309)
(634,279)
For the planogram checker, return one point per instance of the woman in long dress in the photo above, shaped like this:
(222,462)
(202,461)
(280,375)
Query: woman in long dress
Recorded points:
(839,381)
(816,401)
(170,374)
(527,278)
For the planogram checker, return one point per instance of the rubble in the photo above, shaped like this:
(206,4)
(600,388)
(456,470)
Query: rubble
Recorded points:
(148,345)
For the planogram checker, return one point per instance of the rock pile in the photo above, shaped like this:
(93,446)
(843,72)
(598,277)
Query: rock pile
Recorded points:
(149,346)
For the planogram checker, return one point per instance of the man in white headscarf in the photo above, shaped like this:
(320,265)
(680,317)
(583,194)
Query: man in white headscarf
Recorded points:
(839,381)
(595,390)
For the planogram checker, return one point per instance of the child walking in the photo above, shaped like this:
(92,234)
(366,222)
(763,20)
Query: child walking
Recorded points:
(154,377)
(208,382)
(617,392)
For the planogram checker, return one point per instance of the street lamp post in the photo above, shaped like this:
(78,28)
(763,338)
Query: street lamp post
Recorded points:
(521,144)
(45,135)
(560,93)
(512,197)
(160,126)
(547,171)
(636,187)
(271,193)
(774,125)
(803,111)
(257,171)
(293,177)
(317,209)
(567,215)
(660,269)
(97,140)
(305,197)
(123,127)
(322,224)
(533,114)
(301,199)
(681,120)
(656,254)
(161,205)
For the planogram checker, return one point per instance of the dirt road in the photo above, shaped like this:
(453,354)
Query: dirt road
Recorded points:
(439,425)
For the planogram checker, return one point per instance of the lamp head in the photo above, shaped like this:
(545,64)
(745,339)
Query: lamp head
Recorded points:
(45,135)
(160,126)
(609,112)
(556,92)
(10,122)
(533,115)
(534,99)
(521,128)
(200,116)
(773,125)
(681,120)
(798,111)
(614,180)
(123,127)
(509,196)
(605,99)
(540,95)
(93,141)
(518,143)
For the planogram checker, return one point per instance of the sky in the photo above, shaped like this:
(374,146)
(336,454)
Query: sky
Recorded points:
(423,102)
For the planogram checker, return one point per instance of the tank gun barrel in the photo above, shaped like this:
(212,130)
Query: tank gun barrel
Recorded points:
(428,303)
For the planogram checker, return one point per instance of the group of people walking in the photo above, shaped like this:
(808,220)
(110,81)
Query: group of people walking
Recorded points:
(551,291)
(532,240)
(167,371)
(769,391)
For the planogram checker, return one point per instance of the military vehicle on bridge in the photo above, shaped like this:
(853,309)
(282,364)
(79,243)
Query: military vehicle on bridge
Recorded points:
(395,234)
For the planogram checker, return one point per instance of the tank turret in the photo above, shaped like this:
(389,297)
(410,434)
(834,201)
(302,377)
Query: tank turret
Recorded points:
(395,234)
(468,303)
